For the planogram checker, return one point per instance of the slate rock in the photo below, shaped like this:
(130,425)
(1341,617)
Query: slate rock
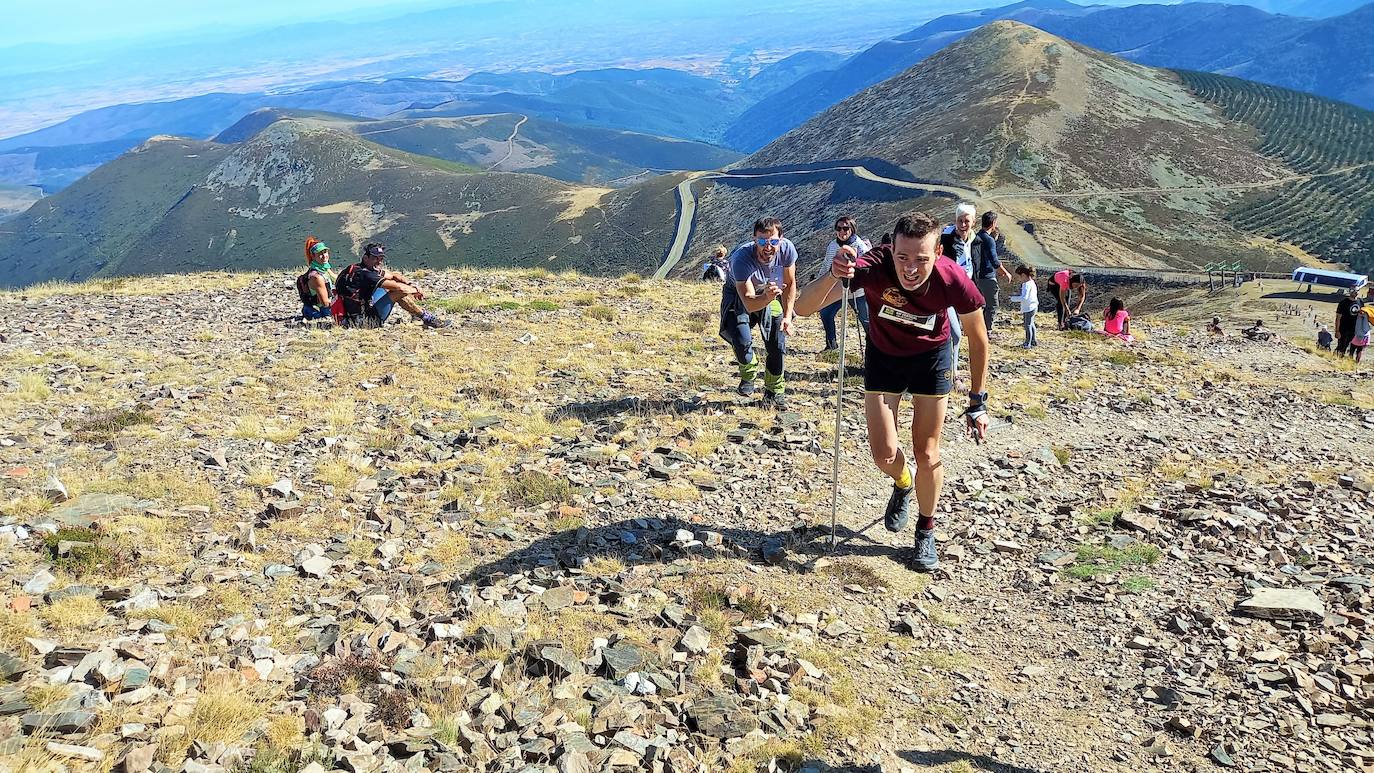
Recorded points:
(721,717)
(65,722)
(11,668)
(1283,604)
(622,659)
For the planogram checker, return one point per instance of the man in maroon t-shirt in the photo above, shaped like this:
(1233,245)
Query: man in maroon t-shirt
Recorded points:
(910,289)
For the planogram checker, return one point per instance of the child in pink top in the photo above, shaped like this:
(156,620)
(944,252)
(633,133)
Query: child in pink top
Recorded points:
(1117,321)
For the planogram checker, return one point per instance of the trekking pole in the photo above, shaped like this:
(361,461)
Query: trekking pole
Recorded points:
(839,414)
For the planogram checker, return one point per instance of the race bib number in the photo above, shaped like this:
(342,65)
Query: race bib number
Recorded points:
(924,322)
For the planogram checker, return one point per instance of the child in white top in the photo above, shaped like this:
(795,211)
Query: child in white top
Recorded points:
(1030,303)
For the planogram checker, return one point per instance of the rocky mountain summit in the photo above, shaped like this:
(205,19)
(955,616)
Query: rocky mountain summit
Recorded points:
(551,538)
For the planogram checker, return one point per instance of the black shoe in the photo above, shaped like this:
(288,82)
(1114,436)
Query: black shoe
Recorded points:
(830,346)
(746,388)
(776,400)
(925,559)
(898,508)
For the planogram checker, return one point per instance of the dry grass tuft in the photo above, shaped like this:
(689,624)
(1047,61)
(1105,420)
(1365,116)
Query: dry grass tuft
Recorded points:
(70,615)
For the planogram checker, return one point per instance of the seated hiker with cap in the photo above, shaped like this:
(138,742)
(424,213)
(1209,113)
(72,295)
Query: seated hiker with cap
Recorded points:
(1258,333)
(369,292)
(315,287)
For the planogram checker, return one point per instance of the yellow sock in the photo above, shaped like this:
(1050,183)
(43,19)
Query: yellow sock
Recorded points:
(904,480)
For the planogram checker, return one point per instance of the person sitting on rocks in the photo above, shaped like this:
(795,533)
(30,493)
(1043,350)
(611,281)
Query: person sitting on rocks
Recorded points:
(369,293)
(1214,327)
(1258,333)
(315,286)
(715,269)
(1116,322)
(1324,338)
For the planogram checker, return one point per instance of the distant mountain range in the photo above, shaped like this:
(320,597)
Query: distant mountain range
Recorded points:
(1240,40)
(175,205)
(510,142)
(1093,160)
(652,101)
(1106,161)
(1330,57)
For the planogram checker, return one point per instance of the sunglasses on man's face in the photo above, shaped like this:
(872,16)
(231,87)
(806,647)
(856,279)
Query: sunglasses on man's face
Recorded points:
(768,242)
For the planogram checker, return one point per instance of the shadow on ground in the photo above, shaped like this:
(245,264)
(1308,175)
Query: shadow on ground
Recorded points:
(949,756)
(652,540)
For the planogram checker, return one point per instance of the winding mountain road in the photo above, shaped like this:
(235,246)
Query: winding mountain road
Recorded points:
(1023,244)
(510,142)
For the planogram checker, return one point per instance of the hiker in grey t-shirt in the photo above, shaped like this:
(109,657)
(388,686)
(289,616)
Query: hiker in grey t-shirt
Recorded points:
(761,291)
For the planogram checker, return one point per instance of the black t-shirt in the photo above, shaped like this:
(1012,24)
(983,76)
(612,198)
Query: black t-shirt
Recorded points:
(1345,313)
(356,285)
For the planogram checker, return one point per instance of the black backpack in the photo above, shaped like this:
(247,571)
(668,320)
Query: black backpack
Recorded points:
(355,301)
(304,290)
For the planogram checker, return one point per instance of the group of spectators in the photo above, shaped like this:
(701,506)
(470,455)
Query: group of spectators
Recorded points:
(972,242)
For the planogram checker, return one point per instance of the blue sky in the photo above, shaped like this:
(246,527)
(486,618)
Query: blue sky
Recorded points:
(87,21)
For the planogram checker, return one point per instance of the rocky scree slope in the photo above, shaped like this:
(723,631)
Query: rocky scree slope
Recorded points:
(551,538)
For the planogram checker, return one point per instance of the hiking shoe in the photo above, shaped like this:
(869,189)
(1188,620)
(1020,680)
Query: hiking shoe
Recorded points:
(925,559)
(898,508)
(431,321)
(830,346)
(746,388)
(774,399)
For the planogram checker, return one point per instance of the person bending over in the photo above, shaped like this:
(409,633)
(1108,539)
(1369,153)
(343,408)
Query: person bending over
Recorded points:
(1062,285)
(911,290)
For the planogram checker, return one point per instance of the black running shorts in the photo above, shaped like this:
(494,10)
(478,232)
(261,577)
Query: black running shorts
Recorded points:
(928,374)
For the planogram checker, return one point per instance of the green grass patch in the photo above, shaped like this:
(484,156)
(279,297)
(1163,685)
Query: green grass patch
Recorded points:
(105,425)
(1097,560)
(532,487)
(1137,583)
(542,305)
(84,555)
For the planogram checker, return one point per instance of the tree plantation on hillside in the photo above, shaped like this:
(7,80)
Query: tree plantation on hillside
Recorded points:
(1326,214)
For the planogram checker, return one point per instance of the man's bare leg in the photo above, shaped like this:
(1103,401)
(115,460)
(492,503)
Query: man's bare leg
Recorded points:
(881,410)
(926,425)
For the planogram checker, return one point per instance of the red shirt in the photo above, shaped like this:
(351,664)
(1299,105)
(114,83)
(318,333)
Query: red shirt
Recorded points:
(1061,278)
(903,323)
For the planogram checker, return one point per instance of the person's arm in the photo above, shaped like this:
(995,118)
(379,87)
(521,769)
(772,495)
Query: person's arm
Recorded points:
(789,291)
(827,289)
(1126,326)
(1082,296)
(976,333)
(321,289)
(756,301)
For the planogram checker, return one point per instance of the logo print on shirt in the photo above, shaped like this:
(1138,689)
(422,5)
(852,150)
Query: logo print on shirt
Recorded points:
(921,322)
(894,296)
